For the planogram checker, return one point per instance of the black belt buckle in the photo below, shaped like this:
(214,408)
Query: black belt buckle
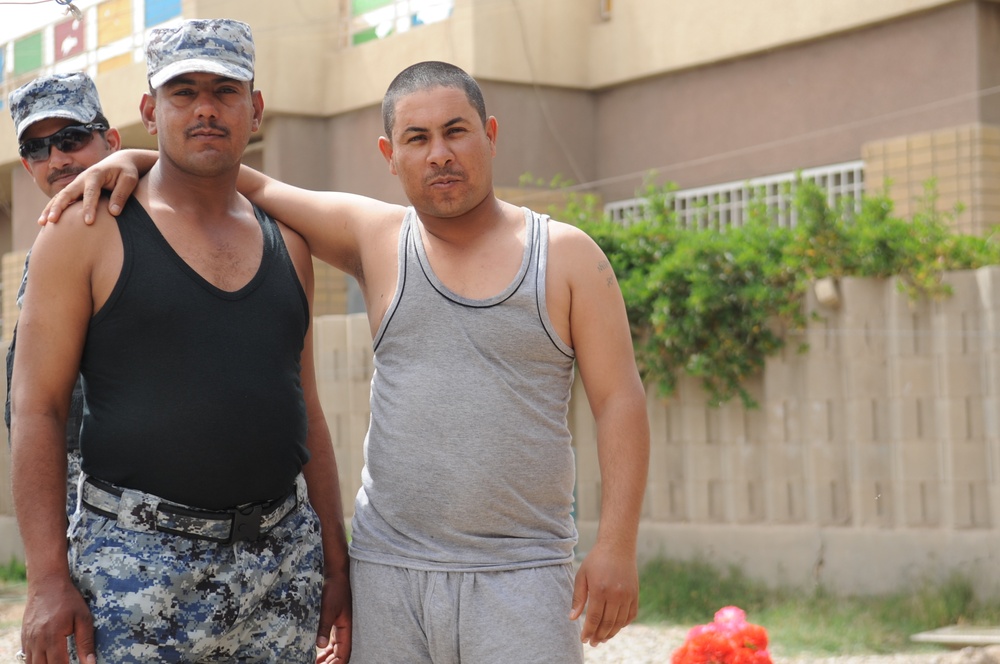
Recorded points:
(246,523)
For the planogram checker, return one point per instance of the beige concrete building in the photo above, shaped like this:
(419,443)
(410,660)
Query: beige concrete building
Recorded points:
(709,94)
(598,92)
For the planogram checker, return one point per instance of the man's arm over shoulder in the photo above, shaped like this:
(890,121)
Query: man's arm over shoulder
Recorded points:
(339,227)
(601,339)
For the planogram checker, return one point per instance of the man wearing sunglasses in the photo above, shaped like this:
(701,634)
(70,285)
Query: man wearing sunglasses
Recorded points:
(61,130)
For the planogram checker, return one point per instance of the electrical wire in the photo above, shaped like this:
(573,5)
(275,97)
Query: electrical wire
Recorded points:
(68,4)
(540,100)
(71,8)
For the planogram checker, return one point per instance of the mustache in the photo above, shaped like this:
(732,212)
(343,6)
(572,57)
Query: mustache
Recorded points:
(446,172)
(202,127)
(63,172)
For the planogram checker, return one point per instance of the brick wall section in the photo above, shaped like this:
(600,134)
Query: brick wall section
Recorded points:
(329,291)
(964,161)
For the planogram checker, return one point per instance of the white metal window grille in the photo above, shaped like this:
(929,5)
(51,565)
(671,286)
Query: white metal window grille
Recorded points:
(723,205)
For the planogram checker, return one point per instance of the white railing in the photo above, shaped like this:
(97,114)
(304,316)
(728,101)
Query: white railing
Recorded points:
(724,205)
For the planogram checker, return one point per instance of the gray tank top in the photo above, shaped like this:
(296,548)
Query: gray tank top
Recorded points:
(468,458)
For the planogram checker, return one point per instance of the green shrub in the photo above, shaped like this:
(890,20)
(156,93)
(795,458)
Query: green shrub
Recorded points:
(692,591)
(714,302)
(14,571)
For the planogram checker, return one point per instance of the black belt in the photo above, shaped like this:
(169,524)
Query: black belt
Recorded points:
(239,524)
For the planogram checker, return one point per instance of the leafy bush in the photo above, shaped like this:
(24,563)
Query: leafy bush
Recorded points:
(14,571)
(714,302)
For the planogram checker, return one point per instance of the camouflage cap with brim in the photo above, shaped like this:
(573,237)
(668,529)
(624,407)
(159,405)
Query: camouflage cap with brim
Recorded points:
(70,96)
(214,46)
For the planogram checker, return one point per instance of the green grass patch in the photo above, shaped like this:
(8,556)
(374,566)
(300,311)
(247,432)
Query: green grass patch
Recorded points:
(13,572)
(809,622)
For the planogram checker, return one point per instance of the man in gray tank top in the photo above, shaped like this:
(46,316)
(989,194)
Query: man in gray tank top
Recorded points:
(462,540)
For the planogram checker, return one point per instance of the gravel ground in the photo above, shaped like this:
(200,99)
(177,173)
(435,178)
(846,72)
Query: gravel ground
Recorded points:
(636,644)
(645,644)
(11,610)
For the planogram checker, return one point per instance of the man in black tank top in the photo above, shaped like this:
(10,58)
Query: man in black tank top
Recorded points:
(211,527)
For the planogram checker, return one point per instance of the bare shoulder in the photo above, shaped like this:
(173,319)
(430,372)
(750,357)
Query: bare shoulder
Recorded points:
(75,263)
(565,237)
(74,234)
(378,217)
(574,254)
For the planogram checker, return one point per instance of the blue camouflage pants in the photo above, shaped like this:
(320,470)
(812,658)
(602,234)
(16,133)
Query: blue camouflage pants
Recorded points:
(159,597)
(73,471)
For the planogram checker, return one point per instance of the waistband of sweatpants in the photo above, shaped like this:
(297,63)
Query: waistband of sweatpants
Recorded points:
(144,512)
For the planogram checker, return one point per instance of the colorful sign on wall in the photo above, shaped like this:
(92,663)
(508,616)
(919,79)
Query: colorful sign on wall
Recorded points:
(114,21)
(377,19)
(359,7)
(28,54)
(69,39)
(160,11)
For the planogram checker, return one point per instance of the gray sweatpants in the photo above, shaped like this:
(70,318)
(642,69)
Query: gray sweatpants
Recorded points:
(408,616)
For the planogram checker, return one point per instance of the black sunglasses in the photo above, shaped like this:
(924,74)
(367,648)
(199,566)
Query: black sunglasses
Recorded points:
(68,139)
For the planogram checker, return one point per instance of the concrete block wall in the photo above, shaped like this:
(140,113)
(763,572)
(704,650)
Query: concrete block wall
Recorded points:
(964,161)
(870,465)
(329,290)
(343,371)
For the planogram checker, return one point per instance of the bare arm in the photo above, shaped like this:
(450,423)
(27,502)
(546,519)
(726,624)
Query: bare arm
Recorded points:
(608,578)
(339,227)
(322,480)
(52,329)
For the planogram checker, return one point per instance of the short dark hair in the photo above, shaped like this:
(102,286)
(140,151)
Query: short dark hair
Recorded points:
(425,75)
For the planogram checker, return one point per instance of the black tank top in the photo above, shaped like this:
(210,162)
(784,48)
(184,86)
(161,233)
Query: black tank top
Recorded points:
(193,393)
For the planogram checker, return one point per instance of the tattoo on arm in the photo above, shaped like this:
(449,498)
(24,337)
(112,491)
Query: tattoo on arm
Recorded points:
(605,265)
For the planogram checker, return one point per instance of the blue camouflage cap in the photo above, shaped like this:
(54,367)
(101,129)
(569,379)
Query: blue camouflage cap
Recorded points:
(216,46)
(71,96)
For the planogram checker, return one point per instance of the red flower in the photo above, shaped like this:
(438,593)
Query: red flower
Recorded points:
(730,639)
